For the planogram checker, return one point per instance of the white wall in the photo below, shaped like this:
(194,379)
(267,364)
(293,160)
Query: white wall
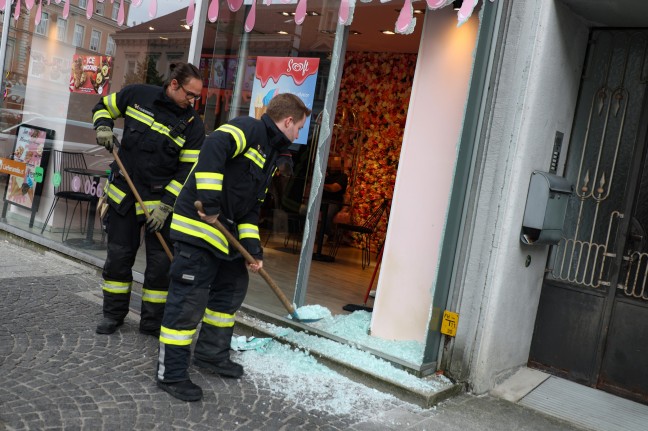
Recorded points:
(535,96)
(425,173)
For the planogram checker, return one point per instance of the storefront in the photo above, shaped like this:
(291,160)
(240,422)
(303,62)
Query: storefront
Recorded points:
(399,112)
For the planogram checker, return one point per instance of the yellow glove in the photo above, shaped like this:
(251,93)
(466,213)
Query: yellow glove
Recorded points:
(158,216)
(105,137)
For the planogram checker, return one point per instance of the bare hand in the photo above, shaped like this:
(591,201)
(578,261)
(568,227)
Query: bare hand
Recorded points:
(210,219)
(255,267)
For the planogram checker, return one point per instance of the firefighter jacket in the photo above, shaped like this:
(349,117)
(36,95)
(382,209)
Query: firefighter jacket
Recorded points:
(161,142)
(231,179)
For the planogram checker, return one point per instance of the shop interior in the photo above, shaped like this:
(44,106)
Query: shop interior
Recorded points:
(370,116)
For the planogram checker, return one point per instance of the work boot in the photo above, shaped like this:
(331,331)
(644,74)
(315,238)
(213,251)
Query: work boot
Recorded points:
(155,332)
(185,390)
(225,368)
(108,325)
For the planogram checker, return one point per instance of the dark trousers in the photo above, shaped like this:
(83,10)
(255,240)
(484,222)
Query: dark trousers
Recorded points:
(124,235)
(202,287)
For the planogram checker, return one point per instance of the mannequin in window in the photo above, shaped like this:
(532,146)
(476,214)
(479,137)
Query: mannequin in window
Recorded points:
(335,185)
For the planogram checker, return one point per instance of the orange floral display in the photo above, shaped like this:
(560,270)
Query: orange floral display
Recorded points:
(377,87)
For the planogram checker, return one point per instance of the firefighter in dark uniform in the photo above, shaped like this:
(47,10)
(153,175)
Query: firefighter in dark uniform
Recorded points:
(162,138)
(209,278)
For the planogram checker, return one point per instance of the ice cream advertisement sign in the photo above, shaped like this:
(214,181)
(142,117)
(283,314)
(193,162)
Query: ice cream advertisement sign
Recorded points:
(274,75)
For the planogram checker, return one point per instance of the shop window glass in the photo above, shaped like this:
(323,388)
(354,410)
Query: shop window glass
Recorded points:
(61,29)
(110,46)
(114,12)
(95,40)
(43,25)
(79,32)
(83,4)
(99,8)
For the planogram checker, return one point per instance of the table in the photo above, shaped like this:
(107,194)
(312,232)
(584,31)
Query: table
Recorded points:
(88,242)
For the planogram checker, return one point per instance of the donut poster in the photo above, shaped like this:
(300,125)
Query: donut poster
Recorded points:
(274,75)
(91,74)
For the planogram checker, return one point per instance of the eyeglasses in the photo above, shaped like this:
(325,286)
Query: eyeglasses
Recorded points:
(189,94)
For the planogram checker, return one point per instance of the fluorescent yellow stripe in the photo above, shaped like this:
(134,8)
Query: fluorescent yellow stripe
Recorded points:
(221,320)
(156,296)
(189,156)
(148,204)
(110,101)
(176,337)
(115,194)
(237,134)
(200,230)
(247,230)
(255,156)
(173,187)
(102,113)
(209,181)
(118,287)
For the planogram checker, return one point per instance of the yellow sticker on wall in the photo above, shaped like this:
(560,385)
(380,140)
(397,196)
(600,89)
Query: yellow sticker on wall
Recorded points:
(449,323)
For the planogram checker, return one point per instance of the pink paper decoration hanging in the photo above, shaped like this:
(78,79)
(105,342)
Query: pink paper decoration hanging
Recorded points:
(29,4)
(300,12)
(89,9)
(121,13)
(212,11)
(343,12)
(152,10)
(251,18)
(466,10)
(136,3)
(404,24)
(234,5)
(39,13)
(191,12)
(17,10)
(436,4)
(3,3)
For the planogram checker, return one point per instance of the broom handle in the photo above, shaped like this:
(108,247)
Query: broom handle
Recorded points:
(139,199)
(249,259)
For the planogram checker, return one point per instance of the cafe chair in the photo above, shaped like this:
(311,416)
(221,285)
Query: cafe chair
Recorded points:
(366,230)
(62,161)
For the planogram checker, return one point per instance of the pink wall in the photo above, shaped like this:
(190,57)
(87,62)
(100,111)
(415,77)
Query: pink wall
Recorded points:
(426,168)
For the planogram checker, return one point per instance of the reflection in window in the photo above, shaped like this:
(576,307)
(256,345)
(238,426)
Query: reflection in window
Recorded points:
(115,11)
(95,40)
(83,4)
(110,46)
(43,25)
(99,9)
(79,32)
(61,29)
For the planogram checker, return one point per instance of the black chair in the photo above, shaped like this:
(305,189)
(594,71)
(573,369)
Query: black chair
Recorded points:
(367,230)
(62,161)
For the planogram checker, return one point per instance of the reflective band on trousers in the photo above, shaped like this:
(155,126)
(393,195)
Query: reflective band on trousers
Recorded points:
(176,337)
(222,320)
(118,287)
(247,230)
(157,296)
(200,230)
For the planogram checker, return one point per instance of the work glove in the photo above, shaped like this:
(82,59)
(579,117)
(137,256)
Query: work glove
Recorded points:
(105,137)
(158,216)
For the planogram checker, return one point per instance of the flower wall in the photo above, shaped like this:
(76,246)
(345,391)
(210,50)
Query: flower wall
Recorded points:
(376,87)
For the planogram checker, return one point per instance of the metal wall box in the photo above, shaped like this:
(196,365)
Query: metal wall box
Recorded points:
(544,214)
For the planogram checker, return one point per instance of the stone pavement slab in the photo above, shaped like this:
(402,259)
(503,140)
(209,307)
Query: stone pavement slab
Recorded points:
(56,373)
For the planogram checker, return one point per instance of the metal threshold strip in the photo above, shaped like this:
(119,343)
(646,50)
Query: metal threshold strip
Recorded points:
(590,408)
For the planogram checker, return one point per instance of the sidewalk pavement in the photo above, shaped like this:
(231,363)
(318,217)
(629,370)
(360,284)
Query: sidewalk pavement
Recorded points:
(56,373)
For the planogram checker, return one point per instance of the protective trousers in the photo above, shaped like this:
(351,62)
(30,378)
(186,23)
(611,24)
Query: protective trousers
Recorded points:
(199,279)
(124,236)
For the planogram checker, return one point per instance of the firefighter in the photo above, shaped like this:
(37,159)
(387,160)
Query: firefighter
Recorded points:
(209,277)
(162,137)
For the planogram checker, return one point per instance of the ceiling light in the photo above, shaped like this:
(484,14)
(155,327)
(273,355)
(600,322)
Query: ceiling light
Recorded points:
(282,32)
(185,26)
(355,32)
(388,32)
(457,4)
(164,38)
(151,28)
(418,11)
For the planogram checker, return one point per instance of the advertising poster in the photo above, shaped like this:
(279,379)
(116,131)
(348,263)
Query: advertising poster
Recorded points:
(274,75)
(91,74)
(30,143)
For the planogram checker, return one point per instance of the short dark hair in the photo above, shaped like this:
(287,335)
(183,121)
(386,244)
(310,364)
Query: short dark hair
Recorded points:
(182,72)
(285,105)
